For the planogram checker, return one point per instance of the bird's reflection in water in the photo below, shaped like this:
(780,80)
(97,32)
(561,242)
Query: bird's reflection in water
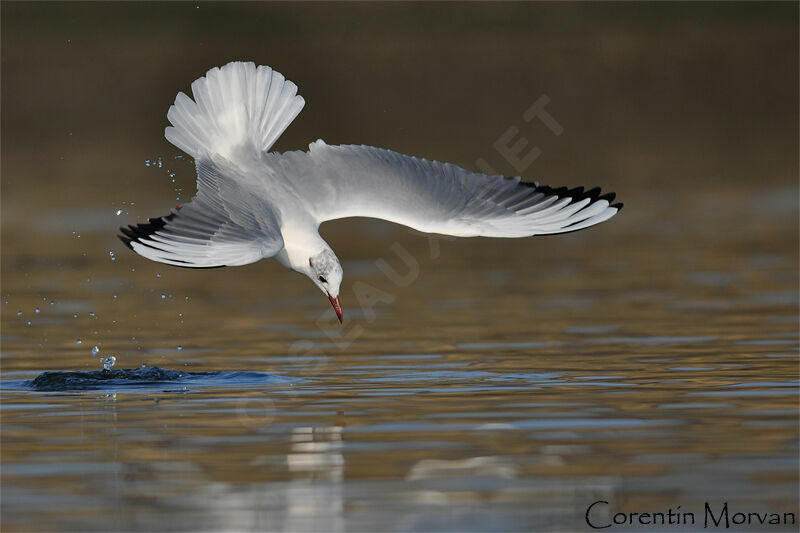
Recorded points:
(314,499)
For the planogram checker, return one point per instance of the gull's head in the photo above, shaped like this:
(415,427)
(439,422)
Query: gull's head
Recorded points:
(326,273)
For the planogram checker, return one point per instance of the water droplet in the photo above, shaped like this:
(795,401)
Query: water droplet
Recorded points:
(52,302)
(115,296)
(109,362)
(158,274)
(180,314)
(95,350)
(37,310)
(133,203)
(79,341)
(163,296)
(133,269)
(180,348)
(75,315)
(119,212)
(185,297)
(91,314)
(144,365)
(19,313)
(147,162)
(113,321)
(28,322)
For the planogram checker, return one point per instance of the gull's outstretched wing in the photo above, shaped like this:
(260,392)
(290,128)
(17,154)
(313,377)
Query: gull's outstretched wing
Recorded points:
(223,225)
(238,111)
(433,197)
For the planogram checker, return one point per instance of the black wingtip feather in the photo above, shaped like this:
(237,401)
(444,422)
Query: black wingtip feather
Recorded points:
(139,231)
(131,235)
(577,194)
(592,193)
(609,197)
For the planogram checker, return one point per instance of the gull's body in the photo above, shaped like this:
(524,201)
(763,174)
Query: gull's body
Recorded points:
(253,204)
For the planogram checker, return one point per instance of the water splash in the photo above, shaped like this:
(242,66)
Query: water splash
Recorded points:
(109,362)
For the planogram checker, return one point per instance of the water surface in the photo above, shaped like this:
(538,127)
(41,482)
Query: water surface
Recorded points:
(482,385)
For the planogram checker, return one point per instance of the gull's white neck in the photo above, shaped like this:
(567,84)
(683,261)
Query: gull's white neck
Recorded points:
(299,244)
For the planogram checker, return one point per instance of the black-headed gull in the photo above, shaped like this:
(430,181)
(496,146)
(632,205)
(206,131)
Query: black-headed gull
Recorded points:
(252,203)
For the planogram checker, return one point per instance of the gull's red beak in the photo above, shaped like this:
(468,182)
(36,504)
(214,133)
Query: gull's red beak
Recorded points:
(336,307)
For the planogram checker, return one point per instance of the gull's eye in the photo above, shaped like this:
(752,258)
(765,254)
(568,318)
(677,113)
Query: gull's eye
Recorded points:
(323,280)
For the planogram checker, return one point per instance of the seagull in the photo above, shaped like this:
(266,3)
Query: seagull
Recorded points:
(253,204)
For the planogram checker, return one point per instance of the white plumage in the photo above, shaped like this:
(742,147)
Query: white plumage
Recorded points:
(234,106)
(252,204)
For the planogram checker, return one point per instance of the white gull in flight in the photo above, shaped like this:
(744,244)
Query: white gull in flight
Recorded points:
(252,203)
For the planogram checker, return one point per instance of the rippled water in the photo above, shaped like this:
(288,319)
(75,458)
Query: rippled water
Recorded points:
(476,385)
(648,372)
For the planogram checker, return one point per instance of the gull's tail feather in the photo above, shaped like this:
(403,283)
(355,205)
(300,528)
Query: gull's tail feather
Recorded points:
(233,105)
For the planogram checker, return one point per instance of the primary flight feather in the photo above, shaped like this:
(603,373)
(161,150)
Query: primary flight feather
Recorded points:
(252,203)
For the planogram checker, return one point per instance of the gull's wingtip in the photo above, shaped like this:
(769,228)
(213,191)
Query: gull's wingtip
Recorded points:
(125,240)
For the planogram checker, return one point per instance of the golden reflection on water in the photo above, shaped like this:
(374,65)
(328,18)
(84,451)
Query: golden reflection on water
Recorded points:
(651,361)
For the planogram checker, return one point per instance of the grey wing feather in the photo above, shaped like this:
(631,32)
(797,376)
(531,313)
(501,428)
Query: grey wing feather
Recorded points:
(223,225)
(434,197)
